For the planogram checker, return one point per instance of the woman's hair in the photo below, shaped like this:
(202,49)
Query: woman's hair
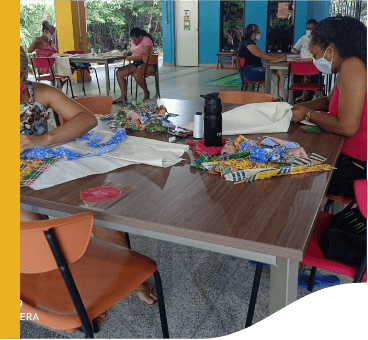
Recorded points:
(136,32)
(47,26)
(250,29)
(312,21)
(349,35)
(23,61)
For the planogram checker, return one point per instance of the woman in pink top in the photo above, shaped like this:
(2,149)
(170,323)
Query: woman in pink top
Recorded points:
(44,45)
(339,45)
(142,44)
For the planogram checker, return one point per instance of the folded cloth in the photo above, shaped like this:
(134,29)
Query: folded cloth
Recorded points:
(269,117)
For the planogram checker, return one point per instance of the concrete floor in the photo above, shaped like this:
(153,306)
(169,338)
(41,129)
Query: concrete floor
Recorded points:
(206,293)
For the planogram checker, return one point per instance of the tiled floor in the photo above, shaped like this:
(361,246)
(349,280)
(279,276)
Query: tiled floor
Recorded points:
(206,293)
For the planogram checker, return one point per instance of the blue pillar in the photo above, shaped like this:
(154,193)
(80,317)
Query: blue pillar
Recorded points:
(168,32)
(209,31)
(256,13)
(318,9)
(301,18)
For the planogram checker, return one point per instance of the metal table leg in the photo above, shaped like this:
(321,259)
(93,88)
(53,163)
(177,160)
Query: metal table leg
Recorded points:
(107,76)
(268,80)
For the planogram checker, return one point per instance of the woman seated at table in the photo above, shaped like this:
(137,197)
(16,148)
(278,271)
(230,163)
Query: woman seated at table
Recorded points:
(253,68)
(44,45)
(35,101)
(339,45)
(141,44)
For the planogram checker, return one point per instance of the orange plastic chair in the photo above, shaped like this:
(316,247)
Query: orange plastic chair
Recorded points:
(244,97)
(99,105)
(68,278)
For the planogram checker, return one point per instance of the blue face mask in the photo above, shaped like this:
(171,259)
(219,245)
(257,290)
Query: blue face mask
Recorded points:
(323,65)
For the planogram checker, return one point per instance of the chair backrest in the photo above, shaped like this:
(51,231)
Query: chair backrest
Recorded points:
(98,105)
(72,233)
(240,62)
(300,68)
(42,62)
(74,52)
(244,97)
(150,59)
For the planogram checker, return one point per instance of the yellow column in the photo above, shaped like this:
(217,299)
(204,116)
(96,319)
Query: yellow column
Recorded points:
(71,26)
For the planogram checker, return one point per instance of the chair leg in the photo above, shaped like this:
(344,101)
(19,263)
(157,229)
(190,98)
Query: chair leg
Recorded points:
(311,279)
(127,239)
(328,205)
(253,297)
(98,84)
(71,88)
(131,85)
(114,78)
(84,90)
(258,87)
(361,270)
(161,305)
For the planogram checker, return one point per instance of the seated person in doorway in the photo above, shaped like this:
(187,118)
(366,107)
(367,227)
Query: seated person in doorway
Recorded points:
(35,133)
(344,110)
(253,68)
(302,47)
(141,44)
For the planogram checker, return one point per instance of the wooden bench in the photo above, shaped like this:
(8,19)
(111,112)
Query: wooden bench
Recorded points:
(226,61)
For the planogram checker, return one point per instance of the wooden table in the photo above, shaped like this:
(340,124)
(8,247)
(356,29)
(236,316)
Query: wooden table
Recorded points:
(223,61)
(95,58)
(268,220)
(277,65)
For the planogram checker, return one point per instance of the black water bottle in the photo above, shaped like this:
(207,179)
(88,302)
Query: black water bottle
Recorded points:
(212,120)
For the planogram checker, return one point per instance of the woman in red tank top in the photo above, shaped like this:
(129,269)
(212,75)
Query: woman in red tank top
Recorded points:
(339,45)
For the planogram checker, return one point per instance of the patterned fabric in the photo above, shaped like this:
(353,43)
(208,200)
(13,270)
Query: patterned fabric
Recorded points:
(91,139)
(33,116)
(31,169)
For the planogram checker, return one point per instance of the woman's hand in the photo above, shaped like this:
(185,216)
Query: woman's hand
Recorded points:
(299,113)
(129,58)
(29,142)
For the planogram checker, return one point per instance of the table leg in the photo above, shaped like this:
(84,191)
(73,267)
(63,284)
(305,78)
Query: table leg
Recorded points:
(107,76)
(268,80)
(283,284)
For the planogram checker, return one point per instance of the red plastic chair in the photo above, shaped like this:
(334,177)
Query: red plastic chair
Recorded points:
(240,62)
(314,256)
(82,69)
(303,69)
(48,63)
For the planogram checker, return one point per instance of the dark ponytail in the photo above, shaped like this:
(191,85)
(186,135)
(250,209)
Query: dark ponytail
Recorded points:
(349,35)
(136,32)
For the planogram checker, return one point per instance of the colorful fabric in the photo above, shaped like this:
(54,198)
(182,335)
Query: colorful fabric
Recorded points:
(31,169)
(33,116)
(252,160)
(91,138)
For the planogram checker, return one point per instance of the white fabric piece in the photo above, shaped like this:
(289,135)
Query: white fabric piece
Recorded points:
(62,66)
(133,150)
(270,117)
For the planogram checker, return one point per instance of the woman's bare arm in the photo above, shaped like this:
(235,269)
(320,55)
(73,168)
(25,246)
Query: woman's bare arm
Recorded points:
(265,56)
(37,43)
(79,119)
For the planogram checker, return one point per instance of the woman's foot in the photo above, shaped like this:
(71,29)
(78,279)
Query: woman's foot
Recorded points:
(120,100)
(146,292)
(101,319)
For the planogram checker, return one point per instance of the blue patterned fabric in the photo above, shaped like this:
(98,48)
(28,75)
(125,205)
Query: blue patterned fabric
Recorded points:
(91,138)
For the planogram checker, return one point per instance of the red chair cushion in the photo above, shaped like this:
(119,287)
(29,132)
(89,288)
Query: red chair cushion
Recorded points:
(303,68)
(306,87)
(315,257)
(360,189)
(253,81)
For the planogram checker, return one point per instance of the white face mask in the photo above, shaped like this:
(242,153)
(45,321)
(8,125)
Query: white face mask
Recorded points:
(50,36)
(258,36)
(308,33)
(323,65)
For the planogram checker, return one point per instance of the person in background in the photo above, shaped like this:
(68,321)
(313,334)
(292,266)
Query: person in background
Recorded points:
(253,68)
(36,101)
(344,110)
(302,47)
(44,45)
(141,44)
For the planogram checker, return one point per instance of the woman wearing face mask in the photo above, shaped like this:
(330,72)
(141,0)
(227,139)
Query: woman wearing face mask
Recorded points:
(141,44)
(253,68)
(344,110)
(44,45)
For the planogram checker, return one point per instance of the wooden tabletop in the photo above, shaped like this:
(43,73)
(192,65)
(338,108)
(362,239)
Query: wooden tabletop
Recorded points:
(273,216)
(96,58)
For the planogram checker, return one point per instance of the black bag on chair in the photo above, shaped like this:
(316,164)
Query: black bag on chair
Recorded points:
(346,237)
